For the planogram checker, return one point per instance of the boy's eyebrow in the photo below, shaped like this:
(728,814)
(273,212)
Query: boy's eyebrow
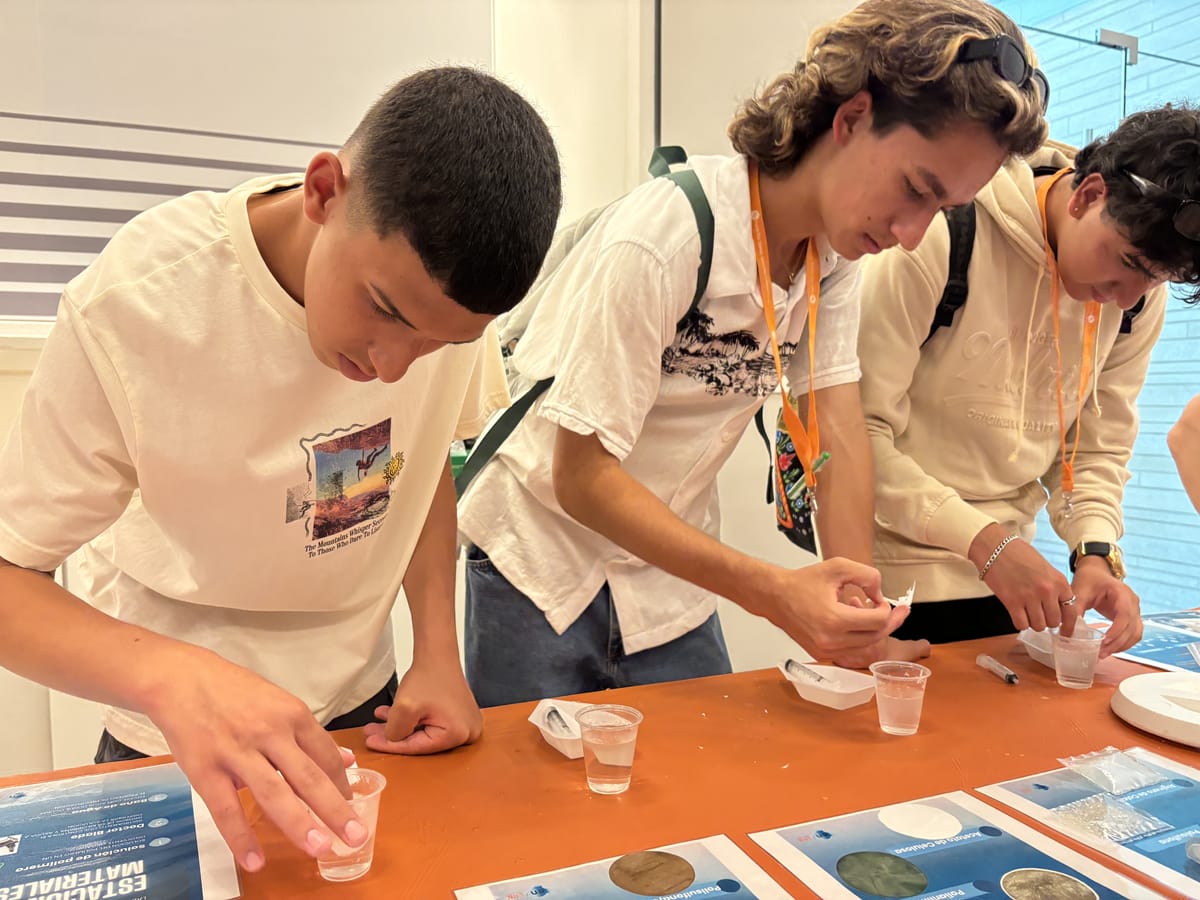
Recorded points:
(935,183)
(1142,264)
(390,307)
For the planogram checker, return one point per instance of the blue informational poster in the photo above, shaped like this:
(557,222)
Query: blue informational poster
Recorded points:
(938,848)
(1165,644)
(1187,620)
(711,867)
(1165,815)
(133,834)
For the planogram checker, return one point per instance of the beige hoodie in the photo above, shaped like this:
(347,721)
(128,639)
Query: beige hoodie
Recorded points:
(951,452)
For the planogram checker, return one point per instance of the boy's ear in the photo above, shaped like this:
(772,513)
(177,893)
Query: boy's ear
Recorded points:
(1090,191)
(854,114)
(324,185)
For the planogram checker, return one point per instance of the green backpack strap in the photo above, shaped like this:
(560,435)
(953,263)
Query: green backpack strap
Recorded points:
(661,161)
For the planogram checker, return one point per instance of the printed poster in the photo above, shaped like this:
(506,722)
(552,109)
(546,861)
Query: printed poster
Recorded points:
(137,833)
(1159,850)
(710,867)
(938,848)
(1165,646)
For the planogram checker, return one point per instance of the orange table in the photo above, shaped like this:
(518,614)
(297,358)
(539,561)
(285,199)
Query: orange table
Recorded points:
(732,755)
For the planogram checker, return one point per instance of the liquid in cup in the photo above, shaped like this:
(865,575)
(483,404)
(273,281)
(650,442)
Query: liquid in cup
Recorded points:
(1075,657)
(609,734)
(342,862)
(899,695)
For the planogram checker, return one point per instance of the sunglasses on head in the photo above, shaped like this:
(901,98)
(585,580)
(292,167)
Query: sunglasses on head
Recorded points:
(1187,216)
(1008,59)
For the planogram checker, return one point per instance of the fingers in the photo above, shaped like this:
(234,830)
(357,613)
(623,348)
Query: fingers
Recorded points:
(402,719)
(306,798)
(321,749)
(421,742)
(1125,631)
(847,572)
(279,802)
(1020,619)
(220,796)
(1070,616)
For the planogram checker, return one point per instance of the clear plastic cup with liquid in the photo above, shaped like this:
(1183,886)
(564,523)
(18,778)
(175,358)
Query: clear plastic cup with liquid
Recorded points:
(899,694)
(342,862)
(609,734)
(1075,657)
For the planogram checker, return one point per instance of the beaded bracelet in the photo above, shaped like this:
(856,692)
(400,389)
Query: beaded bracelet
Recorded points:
(995,555)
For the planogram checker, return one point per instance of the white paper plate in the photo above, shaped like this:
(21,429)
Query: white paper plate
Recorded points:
(1163,703)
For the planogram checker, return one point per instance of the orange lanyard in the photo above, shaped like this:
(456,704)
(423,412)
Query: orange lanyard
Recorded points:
(1090,326)
(807,442)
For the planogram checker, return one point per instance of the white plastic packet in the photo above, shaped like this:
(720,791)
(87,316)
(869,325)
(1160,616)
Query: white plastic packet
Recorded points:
(1107,817)
(1113,771)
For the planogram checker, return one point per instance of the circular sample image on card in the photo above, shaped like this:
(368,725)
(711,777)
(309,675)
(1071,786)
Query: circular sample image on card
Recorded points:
(920,820)
(652,873)
(881,874)
(1035,884)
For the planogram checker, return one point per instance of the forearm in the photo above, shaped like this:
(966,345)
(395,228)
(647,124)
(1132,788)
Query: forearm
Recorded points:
(1184,442)
(429,580)
(592,488)
(52,637)
(846,492)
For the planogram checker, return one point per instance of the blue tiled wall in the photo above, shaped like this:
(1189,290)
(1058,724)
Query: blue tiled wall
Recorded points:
(1088,86)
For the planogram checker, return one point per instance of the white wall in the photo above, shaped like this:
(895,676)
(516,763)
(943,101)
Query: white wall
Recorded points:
(716,53)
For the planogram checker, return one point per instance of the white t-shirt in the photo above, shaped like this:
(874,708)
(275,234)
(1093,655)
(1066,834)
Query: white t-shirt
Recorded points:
(241,495)
(671,407)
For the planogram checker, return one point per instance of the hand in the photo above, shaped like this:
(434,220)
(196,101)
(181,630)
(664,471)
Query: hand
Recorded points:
(228,729)
(1097,588)
(888,648)
(805,604)
(1031,589)
(434,710)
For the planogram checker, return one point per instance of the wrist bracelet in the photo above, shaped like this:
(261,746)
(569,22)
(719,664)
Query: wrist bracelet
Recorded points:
(995,555)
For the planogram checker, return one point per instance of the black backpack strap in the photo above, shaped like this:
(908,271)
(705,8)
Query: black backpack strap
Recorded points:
(762,432)
(1127,316)
(487,445)
(960,221)
(660,166)
(687,182)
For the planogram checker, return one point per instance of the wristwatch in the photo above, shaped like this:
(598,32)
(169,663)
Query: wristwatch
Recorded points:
(1110,552)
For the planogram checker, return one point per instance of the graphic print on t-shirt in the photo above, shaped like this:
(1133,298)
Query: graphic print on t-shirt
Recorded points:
(732,361)
(350,471)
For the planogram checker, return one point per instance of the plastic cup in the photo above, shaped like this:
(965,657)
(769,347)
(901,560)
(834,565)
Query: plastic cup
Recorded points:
(342,862)
(1075,657)
(899,694)
(609,735)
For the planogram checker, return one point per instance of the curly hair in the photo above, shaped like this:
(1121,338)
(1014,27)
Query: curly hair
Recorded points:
(905,53)
(1162,146)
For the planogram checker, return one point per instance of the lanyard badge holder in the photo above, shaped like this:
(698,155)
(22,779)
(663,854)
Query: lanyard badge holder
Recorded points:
(797,449)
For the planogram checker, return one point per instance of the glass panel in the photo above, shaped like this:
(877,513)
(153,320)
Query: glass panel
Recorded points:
(1091,89)
(1086,85)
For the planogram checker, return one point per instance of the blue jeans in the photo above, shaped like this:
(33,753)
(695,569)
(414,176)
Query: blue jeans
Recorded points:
(514,655)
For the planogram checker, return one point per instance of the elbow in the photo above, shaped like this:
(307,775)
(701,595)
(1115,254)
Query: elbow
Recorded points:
(1177,440)
(569,491)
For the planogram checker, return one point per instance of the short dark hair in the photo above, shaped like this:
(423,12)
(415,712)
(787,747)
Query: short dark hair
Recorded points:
(466,170)
(1162,146)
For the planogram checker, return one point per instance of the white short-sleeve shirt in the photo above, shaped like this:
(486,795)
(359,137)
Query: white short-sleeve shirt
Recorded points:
(231,491)
(670,404)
